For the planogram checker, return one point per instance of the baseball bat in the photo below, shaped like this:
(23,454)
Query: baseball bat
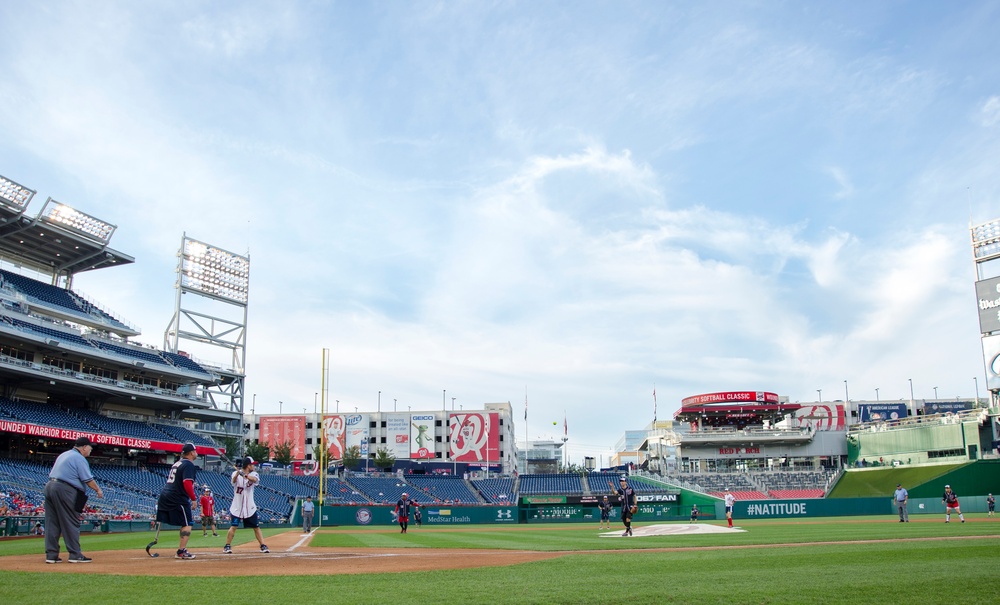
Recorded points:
(156,539)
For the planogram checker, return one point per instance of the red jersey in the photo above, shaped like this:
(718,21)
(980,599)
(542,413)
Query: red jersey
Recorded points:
(207,505)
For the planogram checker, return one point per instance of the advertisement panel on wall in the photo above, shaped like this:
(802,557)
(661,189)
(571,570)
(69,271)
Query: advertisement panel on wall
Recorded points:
(475,436)
(422,436)
(988,300)
(874,412)
(344,431)
(991,354)
(944,407)
(397,435)
(276,430)
(821,417)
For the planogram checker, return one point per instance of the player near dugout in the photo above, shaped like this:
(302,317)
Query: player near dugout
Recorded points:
(244,509)
(174,505)
(207,505)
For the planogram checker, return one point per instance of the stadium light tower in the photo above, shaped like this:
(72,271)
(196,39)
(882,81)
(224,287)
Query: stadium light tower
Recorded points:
(14,195)
(214,316)
(986,255)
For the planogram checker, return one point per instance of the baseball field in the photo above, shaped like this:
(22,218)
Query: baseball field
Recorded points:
(829,561)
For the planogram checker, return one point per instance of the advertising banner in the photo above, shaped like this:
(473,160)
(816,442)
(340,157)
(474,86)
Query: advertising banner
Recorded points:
(991,353)
(135,443)
(397,435)
(305,469)
(875,412)
(344,431)
(276,430)
(947,406)
(475,437)
(821,417)
(422,436)
(988,299)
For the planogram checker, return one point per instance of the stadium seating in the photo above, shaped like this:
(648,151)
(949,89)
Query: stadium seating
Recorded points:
(385,490)
(442,488)
(66,300)
(498,489)
(183,435)
(544,484)
(42,413)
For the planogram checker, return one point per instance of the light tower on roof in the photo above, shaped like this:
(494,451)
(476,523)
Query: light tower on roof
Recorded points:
(215,316)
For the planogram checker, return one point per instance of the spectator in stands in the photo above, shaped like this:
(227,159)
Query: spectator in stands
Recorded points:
(950,500)
(308,509)
(730,503)
(65,497)
(900,497)
(38,529)
(605,506)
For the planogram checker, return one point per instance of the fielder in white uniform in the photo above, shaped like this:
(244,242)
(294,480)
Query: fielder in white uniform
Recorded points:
(243,508)
(730,502)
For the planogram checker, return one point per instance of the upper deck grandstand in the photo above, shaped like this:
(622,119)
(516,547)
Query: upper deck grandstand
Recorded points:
(69,365)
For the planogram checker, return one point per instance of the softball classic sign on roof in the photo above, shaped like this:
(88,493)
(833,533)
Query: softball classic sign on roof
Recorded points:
(36,430)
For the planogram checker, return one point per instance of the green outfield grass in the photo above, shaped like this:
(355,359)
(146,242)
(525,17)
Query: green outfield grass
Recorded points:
(825,565)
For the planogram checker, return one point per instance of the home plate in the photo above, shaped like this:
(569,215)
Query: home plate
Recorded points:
(674,529)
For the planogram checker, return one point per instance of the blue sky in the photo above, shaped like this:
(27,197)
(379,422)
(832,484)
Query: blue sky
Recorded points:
(578,199)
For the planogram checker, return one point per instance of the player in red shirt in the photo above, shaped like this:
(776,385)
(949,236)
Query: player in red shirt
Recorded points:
(207,504)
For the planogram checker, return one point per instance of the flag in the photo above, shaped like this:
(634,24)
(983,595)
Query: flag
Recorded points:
(525,404)
(565,425)
(654,403)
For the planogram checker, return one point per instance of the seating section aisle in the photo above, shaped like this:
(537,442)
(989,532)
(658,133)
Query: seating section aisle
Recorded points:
(334,489)
(385,490)
(443,488)
(499,489)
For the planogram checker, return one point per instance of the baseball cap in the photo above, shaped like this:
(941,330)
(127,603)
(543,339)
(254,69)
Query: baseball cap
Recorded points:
(947,487)
(206,488)
(82,441)
(405,494)
(622,478)
(899,485)
(188,447)
(248,461)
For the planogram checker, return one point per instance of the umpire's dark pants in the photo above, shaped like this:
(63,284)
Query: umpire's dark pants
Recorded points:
(61,519)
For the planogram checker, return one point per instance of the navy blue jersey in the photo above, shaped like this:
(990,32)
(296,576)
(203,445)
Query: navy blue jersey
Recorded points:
(950,497)
(626,497)
(403,507)
(174,493)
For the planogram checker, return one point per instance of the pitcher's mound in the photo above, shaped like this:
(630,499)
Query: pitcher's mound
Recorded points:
(674,529)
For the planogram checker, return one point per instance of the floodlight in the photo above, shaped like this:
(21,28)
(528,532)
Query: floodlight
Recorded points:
(214,272)
(14,194)
(986,240)
(74,220)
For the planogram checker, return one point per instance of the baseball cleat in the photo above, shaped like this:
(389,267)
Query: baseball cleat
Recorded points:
(263,548)
(183,554)
(227,550)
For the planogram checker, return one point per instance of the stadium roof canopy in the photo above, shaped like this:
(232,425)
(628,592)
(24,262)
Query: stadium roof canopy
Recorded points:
(59,240)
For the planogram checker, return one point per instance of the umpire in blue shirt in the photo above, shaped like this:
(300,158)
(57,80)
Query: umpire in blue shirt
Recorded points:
(65,497)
